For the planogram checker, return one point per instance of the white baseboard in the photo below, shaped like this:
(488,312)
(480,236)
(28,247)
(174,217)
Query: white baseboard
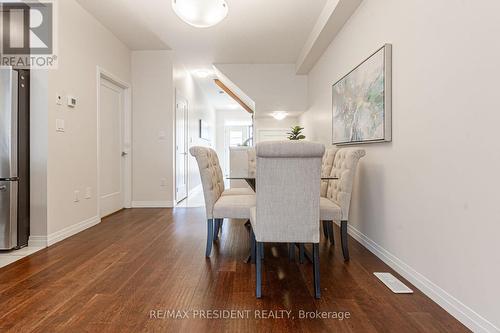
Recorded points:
(152,204)
(72,230)
(460,311)
(37,241)
(44,241)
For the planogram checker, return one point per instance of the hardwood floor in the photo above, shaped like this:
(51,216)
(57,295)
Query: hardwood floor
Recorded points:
(112,278)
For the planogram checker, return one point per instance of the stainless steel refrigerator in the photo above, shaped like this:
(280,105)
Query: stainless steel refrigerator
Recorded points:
(9,181)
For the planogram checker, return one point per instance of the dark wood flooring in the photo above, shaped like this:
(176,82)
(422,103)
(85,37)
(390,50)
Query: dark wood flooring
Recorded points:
(110,277)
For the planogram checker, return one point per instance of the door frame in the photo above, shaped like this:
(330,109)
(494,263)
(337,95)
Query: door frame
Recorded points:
(103,74)
(186,138)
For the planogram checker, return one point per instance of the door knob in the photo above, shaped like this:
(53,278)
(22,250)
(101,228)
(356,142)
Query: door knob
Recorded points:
(3,188)
(124,153)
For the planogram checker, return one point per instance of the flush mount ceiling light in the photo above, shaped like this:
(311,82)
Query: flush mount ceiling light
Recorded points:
(201,13)
(279,115)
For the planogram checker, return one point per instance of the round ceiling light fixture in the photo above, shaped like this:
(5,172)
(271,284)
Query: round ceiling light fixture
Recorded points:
(201,13)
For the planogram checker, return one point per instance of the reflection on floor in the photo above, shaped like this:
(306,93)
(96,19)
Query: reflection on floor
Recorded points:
(8,257)
(194,200)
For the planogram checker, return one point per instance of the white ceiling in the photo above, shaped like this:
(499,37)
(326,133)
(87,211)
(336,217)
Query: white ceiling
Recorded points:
(255,31)
(216,96)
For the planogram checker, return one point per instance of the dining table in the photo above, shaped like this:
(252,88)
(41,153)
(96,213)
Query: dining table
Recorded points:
(252,182)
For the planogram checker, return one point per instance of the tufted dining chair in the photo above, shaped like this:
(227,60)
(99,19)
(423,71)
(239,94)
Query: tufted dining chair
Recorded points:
(326,170)
(219,202)
(288,197)
(336,205)
(252,162)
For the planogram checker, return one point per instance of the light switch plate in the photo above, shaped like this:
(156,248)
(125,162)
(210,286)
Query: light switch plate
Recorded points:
(60,126)
(393,283)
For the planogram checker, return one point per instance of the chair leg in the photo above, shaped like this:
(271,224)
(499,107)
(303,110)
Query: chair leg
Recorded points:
(210,237)
(344,240)
(216,229)
(291,251)
(331,236)
(252,247)
(258,270)
(325,229)
(302,253)
(317,288)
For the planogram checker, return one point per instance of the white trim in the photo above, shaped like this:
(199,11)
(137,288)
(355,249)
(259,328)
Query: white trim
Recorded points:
(45,241)
(37,241)
(153,204)
(457,309)
(127,136)
(178,98)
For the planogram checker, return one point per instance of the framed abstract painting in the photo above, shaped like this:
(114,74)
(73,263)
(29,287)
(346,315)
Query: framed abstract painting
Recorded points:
(362,101)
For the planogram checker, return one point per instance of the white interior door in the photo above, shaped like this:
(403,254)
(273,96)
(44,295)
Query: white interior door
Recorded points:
(112,155)
(181,150)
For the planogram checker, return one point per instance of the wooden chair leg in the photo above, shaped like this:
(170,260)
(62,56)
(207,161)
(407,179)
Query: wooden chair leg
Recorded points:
(325,229)
(210,237)
(253,247)
(317,288)
(302,253)
(216,229)
(291,251)
(331,236)
(344,240)
(258,270)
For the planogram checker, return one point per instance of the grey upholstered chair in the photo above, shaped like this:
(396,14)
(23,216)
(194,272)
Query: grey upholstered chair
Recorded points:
(219,203)
(335,206)
(288,196)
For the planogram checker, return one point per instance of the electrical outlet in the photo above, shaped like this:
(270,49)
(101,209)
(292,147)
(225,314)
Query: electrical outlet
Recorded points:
(77,196)
(88,193)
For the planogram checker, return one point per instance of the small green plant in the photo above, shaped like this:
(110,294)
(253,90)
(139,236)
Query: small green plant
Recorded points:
(296,133)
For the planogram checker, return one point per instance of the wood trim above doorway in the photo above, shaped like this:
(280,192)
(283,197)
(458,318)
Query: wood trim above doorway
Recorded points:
(233,95)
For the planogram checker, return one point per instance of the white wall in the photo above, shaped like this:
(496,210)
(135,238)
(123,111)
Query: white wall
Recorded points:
(153,129)
(274,87)
(198,108)
(84,44)
(38,156)
(266,123)
(430,198)
(224,117)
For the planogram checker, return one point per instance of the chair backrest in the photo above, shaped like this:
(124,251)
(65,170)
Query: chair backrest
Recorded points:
(288,191)
(252,162)
(326,168)
(212,179)
(344,167)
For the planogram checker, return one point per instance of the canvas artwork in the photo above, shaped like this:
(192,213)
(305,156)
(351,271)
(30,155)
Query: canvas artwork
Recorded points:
(362,102)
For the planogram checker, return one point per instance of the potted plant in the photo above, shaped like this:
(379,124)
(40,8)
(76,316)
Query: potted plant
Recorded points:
(296,133)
